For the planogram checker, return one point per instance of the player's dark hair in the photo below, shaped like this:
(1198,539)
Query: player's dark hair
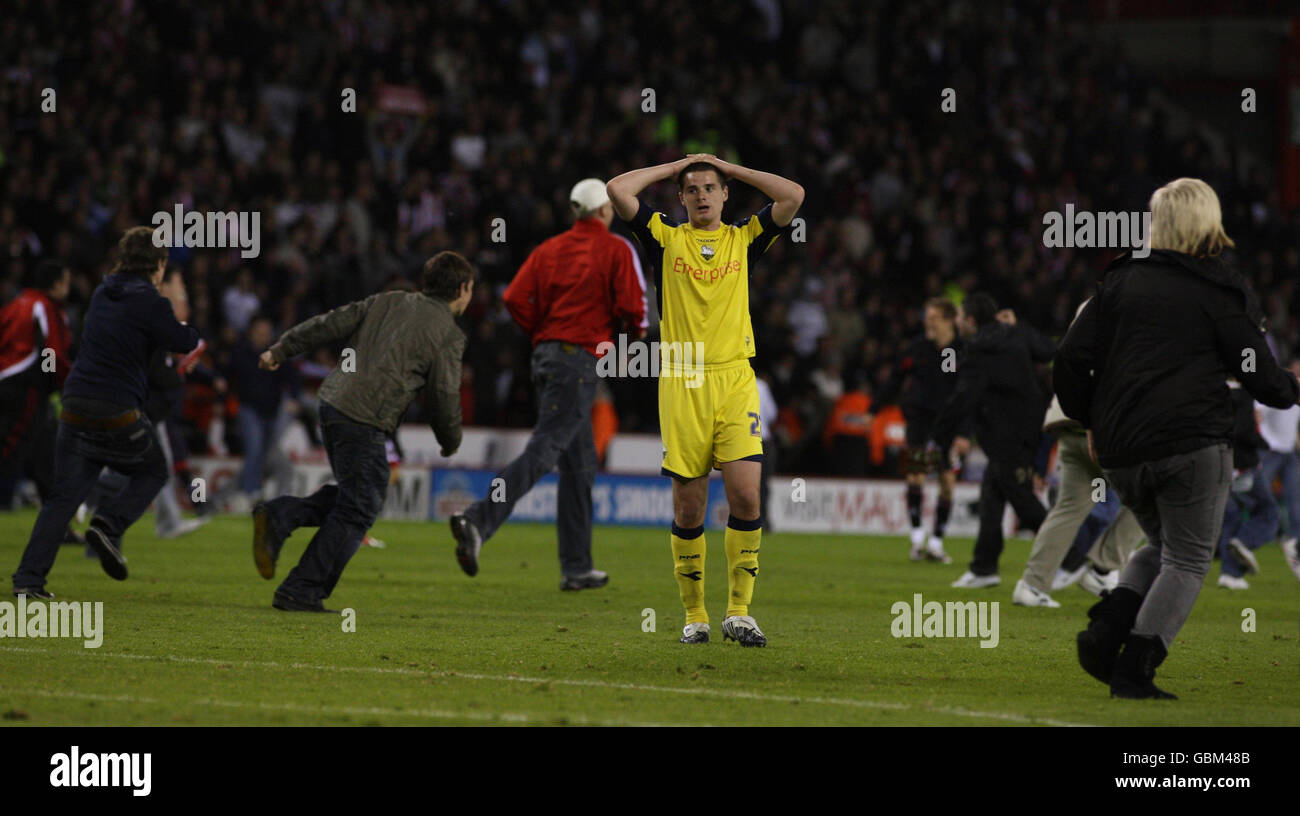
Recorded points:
(944,305)
(699,167)
(44,275)
(444,274)
(137,255)
(981,307)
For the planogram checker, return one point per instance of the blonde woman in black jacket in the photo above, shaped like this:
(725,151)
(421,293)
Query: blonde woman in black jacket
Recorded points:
(1144,369)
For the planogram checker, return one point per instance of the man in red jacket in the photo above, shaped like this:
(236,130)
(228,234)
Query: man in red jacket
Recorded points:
(571,294)
(34,348)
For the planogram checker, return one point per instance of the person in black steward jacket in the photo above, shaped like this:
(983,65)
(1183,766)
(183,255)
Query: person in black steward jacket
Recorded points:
(1144,368)
(103,422)
(999,393)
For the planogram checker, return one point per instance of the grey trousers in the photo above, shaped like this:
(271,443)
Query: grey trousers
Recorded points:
(1073,504)
(564,376)
(1179,501)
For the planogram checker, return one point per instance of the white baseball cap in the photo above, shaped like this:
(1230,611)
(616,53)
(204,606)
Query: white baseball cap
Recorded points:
(588,195)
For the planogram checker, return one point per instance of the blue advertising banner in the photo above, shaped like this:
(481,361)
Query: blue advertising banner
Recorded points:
(615,499)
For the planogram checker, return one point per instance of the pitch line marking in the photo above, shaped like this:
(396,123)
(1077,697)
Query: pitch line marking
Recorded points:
(419,713)
(564,681)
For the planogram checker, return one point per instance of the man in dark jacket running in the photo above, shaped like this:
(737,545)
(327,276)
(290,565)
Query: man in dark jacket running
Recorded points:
(397,343)
(1144,368)
(103,422)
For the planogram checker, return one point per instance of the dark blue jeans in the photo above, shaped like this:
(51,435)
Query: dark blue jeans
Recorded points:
(564,376)
(1254,532)
(1287,465)
(79,456)
(343,513)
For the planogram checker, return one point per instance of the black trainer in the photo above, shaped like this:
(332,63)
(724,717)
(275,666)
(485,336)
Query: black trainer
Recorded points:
(34,592)
(291,603)
(1111,618)
(591,579)
(468,543)
(267,541)
(108,549)
(1135,670)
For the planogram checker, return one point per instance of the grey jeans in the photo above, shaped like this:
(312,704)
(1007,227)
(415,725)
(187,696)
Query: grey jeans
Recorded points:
(1073,504)
(1179,501)
(564,376)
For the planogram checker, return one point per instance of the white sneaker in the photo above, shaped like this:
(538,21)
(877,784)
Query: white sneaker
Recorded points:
(82,512)
(1096,583)
(1025,595)
(934,551)
(1064,579)
(183,527)
(1292,556)
(918,544)
(1245,556)
(1232,582)
(695,633)
(970,580)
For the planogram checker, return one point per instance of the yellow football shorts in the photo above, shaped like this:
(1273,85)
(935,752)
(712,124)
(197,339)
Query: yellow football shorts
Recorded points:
(708,417)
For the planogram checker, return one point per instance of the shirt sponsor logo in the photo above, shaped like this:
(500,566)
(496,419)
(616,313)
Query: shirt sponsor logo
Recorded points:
(681,267)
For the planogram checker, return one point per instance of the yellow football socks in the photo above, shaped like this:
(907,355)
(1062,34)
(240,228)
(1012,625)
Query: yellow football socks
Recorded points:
(742,541)
(688,567)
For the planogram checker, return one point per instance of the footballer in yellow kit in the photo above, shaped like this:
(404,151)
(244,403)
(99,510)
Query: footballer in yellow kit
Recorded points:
(708,398)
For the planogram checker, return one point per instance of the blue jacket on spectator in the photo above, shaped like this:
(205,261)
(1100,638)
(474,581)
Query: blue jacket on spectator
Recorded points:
(127,320)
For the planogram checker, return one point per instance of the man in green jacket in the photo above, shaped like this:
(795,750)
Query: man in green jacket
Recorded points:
(397,343)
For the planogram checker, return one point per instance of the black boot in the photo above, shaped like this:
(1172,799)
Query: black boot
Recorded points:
(1111,620)
(1135,670)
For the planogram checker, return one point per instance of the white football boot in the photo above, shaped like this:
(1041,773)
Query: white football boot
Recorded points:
(934,551)
(918,544)
(744,630)
(695,633)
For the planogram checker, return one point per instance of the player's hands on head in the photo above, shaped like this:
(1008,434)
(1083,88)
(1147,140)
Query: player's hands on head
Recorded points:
(267,361)
(711,159)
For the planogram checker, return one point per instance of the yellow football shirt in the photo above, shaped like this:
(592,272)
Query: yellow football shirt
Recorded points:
(702,279)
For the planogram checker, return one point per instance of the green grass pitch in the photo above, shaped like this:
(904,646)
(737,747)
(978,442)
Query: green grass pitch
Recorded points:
(191,638)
